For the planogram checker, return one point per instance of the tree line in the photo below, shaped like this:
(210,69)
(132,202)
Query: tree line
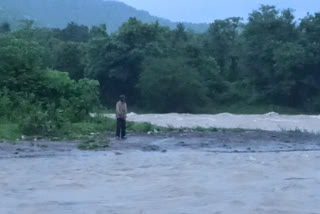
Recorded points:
(270,59)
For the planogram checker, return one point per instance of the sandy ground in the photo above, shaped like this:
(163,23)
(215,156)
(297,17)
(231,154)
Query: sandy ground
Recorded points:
(165,173)
(270,122)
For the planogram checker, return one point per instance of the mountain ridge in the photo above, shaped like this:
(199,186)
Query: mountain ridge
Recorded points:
(58,13)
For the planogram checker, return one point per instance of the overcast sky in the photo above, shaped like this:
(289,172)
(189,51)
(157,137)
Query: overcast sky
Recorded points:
(209,10)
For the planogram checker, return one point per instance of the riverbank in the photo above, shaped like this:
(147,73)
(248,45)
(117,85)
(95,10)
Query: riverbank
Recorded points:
(220,141)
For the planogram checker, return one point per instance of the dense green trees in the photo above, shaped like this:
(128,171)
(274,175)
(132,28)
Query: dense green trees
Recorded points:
(222,42)
(69,57)
(40,99)
(271,59)
(171,83)
(4,28)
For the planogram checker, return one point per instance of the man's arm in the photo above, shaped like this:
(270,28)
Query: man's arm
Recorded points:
(126,109)
(117,109)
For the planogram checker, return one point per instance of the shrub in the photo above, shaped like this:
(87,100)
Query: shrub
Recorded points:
(140,127)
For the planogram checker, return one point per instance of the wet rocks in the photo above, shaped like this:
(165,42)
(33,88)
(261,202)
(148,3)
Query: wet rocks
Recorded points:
(151,148)
(181,144)
(42,145)
(55,139)
(204,144)
(24,150)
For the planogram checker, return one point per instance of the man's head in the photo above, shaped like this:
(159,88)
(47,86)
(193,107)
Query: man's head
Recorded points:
(122,98)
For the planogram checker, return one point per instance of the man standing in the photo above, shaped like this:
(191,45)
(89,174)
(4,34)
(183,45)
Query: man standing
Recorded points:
(121,114)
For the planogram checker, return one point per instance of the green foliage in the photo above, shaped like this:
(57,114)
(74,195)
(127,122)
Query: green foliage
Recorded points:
(136,34)
(117,62)
(222,43)
(200,129)
(20,63)
(42,100)
(5,28)
(65,101)
(10,132)
(6,105)
(140,127)
(172,85)
(310,27)
(69,57)
(263,33)
(92,125)
(75,33)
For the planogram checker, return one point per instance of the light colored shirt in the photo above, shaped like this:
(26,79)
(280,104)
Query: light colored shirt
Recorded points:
(121,110)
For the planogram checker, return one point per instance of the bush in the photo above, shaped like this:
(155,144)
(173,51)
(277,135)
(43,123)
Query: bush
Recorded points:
(92,125)
(41,100)
(39,122)
(10,132)
(140,127)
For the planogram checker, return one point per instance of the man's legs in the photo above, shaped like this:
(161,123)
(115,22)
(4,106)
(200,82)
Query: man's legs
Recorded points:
(123,128)
(118,127)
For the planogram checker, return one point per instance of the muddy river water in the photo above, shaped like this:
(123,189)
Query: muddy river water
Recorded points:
(165,173)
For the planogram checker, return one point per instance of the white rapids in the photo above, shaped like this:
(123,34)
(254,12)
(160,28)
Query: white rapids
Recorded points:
(268,122)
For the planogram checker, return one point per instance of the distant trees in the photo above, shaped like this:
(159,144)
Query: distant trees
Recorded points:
(117,61)
(75,33)
(69,57)
(170,83)
(277,57)
(222,42)
(5,28)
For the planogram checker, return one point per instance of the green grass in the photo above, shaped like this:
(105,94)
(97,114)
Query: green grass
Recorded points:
(80,130)
(200,129)
(10,132)
(101,124)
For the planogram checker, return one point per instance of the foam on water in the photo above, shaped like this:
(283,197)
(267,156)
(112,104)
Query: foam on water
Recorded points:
(270,122)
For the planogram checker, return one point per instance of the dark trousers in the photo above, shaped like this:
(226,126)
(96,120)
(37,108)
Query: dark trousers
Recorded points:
(121,127)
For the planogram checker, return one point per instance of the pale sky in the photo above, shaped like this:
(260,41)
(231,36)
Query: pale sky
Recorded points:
(209,10)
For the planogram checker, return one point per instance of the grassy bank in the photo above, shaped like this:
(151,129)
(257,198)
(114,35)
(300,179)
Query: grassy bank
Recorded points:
(81,130)
(96,127)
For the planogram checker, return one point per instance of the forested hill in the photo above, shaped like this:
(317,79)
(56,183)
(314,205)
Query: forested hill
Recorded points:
(58,13)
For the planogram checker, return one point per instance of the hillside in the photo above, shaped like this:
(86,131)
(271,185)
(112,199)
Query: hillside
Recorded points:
(58,13)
